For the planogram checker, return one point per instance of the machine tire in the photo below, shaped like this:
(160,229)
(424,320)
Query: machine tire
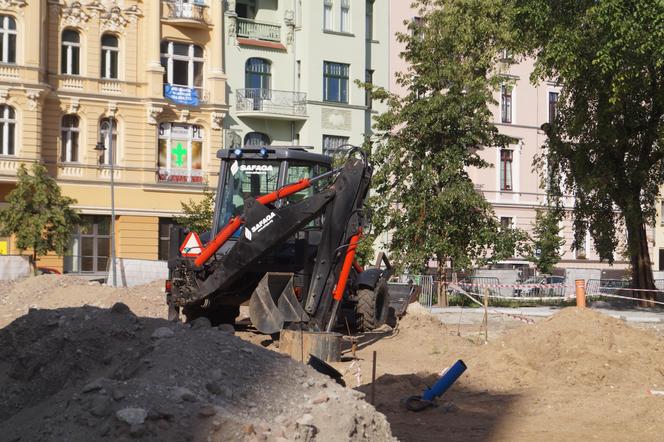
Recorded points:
(372,307)
(218,315)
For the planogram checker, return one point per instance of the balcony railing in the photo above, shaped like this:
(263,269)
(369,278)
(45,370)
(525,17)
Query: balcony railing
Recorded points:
(180,10)
(257,30)
(272,101)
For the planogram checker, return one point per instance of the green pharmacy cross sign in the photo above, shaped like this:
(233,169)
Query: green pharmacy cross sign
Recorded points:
(179,153)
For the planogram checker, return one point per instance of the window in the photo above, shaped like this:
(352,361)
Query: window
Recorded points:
(257,74)
(89,248)
(246,182)
(416,28)
(553,102)
(344,24)
(335,84)
(180,153)
(108,134)
(506,103)
(71,49)
(257,79)
(256,139)
(183,64)
(70,133)
(506,157)
(582,253)
(109,56)
(165,225)
(7,130)
(332,145)
(661,260)
(327,15)
(246,9)
(7,39)
(506,222)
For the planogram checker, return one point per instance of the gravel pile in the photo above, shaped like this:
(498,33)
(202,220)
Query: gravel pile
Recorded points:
(86,373)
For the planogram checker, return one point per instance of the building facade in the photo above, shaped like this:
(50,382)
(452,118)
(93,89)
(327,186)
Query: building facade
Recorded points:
(143,78)
(512,185)
(292,68)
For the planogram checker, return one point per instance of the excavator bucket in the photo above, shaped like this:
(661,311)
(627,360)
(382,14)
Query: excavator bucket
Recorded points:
(274,302)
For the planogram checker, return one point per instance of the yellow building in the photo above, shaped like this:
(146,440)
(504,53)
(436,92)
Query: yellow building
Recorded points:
(145,77)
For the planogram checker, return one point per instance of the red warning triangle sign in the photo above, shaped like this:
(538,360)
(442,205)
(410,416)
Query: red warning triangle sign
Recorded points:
(192,246)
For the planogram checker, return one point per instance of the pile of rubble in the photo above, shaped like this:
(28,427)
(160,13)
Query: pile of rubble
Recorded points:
(87,373)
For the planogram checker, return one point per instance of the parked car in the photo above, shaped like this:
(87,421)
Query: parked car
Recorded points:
(535,292)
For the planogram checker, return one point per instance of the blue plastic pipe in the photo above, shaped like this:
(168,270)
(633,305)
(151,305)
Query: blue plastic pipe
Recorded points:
(445,381)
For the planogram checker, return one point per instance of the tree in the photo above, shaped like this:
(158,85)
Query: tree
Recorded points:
(423,194)
(547,242)
(605,147)
(37,214)
(198,215)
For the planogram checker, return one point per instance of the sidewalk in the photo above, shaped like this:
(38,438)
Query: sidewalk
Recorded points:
(474,315)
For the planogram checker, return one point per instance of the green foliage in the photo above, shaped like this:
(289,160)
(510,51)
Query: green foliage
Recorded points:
(423,195)
(606,145)
(37,214)
(547,242)
(198,215)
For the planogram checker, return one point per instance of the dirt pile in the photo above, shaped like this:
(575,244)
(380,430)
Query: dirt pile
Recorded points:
(578,375)
(578,347)
(57,291)
(419,319)
(81,374)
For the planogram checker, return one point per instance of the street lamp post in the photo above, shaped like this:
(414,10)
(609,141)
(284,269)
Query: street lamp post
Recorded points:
(101,147)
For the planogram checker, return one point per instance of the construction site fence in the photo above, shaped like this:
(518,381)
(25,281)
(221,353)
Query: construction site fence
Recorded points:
(427,287)
(614,290)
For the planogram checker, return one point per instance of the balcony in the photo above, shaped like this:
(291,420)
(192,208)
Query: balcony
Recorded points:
(268,103)
(247,28)
(192,15)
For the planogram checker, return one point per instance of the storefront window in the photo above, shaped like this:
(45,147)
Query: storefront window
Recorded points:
(180,153)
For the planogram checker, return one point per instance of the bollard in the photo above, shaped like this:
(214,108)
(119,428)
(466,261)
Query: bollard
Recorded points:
(581,293)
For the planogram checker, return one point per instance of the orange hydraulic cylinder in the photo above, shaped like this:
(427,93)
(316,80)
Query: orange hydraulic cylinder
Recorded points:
(284,192)
(581,293)
(345,269)
(218,240)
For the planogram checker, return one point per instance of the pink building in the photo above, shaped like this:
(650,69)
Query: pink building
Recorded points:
(511,186)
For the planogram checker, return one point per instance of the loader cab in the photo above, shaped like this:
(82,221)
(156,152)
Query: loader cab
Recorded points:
(255,171)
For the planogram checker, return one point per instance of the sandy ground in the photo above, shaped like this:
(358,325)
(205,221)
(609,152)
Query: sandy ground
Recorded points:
(578,375)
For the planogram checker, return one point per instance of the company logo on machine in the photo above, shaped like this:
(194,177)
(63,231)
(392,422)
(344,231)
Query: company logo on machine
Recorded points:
(252,169)
(192,246)
(259,226)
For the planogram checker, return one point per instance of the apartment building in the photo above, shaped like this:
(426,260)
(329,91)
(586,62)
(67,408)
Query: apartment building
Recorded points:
(512,185)
(144,79)
(292,67)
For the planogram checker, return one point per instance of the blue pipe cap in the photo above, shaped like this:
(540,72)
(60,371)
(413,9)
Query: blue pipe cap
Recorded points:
(238,152)
(263,151)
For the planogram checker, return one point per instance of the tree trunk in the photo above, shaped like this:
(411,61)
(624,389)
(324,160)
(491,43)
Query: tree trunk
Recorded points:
(637,241)
(442,281)
(34,262)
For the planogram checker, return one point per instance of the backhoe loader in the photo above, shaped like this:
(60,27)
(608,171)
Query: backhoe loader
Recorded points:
(285,233)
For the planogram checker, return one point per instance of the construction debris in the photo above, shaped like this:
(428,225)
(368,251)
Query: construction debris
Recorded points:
(86,373)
